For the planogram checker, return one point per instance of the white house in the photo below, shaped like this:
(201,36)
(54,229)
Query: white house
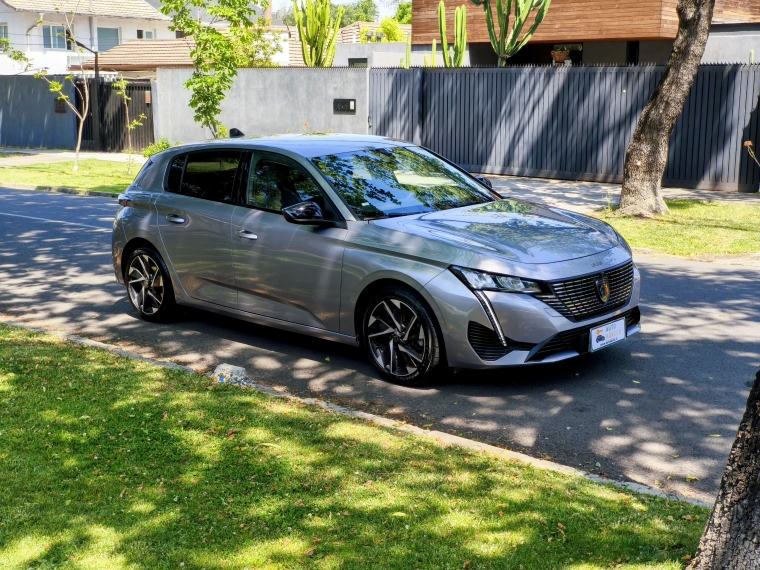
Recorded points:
(36,27)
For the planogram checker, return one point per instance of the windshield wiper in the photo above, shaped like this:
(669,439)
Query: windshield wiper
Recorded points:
(395,215)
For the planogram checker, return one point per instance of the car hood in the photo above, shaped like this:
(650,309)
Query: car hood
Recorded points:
(519,231)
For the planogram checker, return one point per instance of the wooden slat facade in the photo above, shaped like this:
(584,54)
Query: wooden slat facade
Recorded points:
(571,21)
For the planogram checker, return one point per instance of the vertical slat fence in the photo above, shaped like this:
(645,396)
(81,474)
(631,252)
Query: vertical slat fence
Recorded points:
(571,123)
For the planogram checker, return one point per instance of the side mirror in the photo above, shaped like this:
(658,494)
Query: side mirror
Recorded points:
(304,213)
(484,181)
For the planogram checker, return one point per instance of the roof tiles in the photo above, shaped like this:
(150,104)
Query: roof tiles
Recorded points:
(133,9)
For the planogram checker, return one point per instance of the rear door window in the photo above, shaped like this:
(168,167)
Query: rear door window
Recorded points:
(209,175)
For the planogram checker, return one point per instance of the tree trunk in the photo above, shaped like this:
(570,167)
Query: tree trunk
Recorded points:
(647,155)
(732,537)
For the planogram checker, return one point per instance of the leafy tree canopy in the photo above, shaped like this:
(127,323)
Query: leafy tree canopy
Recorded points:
(217,54)
(404,13)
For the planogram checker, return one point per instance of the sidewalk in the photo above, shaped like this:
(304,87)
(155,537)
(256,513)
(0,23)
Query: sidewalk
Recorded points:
(23,157)
(584,197)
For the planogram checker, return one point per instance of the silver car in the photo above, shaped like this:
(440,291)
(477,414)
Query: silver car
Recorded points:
(373,242)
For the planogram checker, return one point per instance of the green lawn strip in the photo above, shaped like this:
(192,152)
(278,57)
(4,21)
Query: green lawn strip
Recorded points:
(107,462)
(97,175)
(694,228)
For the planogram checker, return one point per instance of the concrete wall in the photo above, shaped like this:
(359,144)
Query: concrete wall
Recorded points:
(266,101)
(732,44)
(28,118)
(388,55)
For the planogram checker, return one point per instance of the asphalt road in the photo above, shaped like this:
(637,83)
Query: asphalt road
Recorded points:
(644,410)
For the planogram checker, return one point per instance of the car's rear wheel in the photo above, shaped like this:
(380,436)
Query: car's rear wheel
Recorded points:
(149,286)
(401,338)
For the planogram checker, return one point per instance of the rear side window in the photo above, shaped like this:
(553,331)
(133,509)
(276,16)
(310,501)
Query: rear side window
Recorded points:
(207,175)
(139,179)
(211,175)
(175,174)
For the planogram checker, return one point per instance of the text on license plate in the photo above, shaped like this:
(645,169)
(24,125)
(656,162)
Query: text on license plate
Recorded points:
(605,335)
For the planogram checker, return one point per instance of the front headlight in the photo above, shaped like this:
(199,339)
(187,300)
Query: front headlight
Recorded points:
(482,281)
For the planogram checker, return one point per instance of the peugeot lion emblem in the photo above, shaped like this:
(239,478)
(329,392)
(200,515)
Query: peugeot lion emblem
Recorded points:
(603,289)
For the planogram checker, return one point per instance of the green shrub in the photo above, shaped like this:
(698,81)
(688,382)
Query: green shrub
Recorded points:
(160,145)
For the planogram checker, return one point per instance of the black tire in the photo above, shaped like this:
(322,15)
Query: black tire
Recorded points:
(152,299)
(401,337)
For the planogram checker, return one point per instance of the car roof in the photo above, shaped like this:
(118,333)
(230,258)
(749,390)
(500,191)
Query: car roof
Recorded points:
(306,145)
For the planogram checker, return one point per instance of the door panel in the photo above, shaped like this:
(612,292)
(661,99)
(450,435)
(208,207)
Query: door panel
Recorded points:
(288,272)
(194,219)
(283,270)
(196,235)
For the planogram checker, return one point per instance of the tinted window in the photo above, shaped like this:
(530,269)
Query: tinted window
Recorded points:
(275,185)
(211,175)
(175,174)
(398,181)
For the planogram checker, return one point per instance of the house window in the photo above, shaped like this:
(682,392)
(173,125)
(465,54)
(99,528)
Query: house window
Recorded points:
(179,35)
(54,37)
(357,62)
(148,34)
(145,34)
(107,38)
(3,31)
(140,35)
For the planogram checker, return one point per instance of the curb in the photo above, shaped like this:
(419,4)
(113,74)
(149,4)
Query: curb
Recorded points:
(56,190)
(443,439)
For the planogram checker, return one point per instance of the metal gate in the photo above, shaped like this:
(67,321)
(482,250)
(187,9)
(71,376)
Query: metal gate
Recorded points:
(114,135)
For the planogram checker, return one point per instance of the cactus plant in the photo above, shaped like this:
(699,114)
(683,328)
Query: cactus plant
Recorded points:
(455,56)
(507,41)
(406,62)
(434,54)
(317,31)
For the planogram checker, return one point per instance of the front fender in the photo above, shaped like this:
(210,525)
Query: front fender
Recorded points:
(362,268)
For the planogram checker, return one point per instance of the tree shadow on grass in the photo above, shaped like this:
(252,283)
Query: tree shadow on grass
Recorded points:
(108,462)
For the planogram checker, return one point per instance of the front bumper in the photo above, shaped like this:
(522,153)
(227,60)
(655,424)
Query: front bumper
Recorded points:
(535,333)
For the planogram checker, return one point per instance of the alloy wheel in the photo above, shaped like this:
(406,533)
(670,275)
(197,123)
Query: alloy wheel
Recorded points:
(396,338)
(145,284)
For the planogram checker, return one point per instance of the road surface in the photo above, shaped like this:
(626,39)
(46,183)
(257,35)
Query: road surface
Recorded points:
(644,410)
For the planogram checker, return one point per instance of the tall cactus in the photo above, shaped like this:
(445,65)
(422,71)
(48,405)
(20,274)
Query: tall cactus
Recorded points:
(317,31)
(406,61)
(460,35)
(507,42)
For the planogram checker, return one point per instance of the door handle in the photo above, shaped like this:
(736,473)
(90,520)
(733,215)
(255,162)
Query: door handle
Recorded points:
(175,219)
(245,234)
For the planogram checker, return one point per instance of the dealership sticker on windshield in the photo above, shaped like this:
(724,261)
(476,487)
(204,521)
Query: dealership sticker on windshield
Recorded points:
(605,335)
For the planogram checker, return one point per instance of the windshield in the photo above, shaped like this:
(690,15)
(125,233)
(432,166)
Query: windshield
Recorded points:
(398,181)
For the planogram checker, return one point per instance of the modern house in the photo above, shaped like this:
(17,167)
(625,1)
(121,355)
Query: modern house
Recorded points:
(351,52)
(37,28)
(624,31)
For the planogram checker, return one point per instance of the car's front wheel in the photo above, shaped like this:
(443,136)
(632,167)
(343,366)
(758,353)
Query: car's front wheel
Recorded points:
(149,286)
(401,338)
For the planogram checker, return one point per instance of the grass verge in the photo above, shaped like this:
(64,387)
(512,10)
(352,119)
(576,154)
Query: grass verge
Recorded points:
(97,175)
(107,462)
(694,228)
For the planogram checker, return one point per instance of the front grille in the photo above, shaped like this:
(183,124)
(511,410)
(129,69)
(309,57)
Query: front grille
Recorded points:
(577,339)
(487,345)
(577,299)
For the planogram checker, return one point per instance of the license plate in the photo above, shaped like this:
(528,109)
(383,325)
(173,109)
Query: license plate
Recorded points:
(605,335)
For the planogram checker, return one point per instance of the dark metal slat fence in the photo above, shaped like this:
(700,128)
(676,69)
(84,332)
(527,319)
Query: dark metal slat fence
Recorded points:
(113,118)
(570,123)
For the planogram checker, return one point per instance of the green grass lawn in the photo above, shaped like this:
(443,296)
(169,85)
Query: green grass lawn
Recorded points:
(694,228)
(106,462)
(99,175)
